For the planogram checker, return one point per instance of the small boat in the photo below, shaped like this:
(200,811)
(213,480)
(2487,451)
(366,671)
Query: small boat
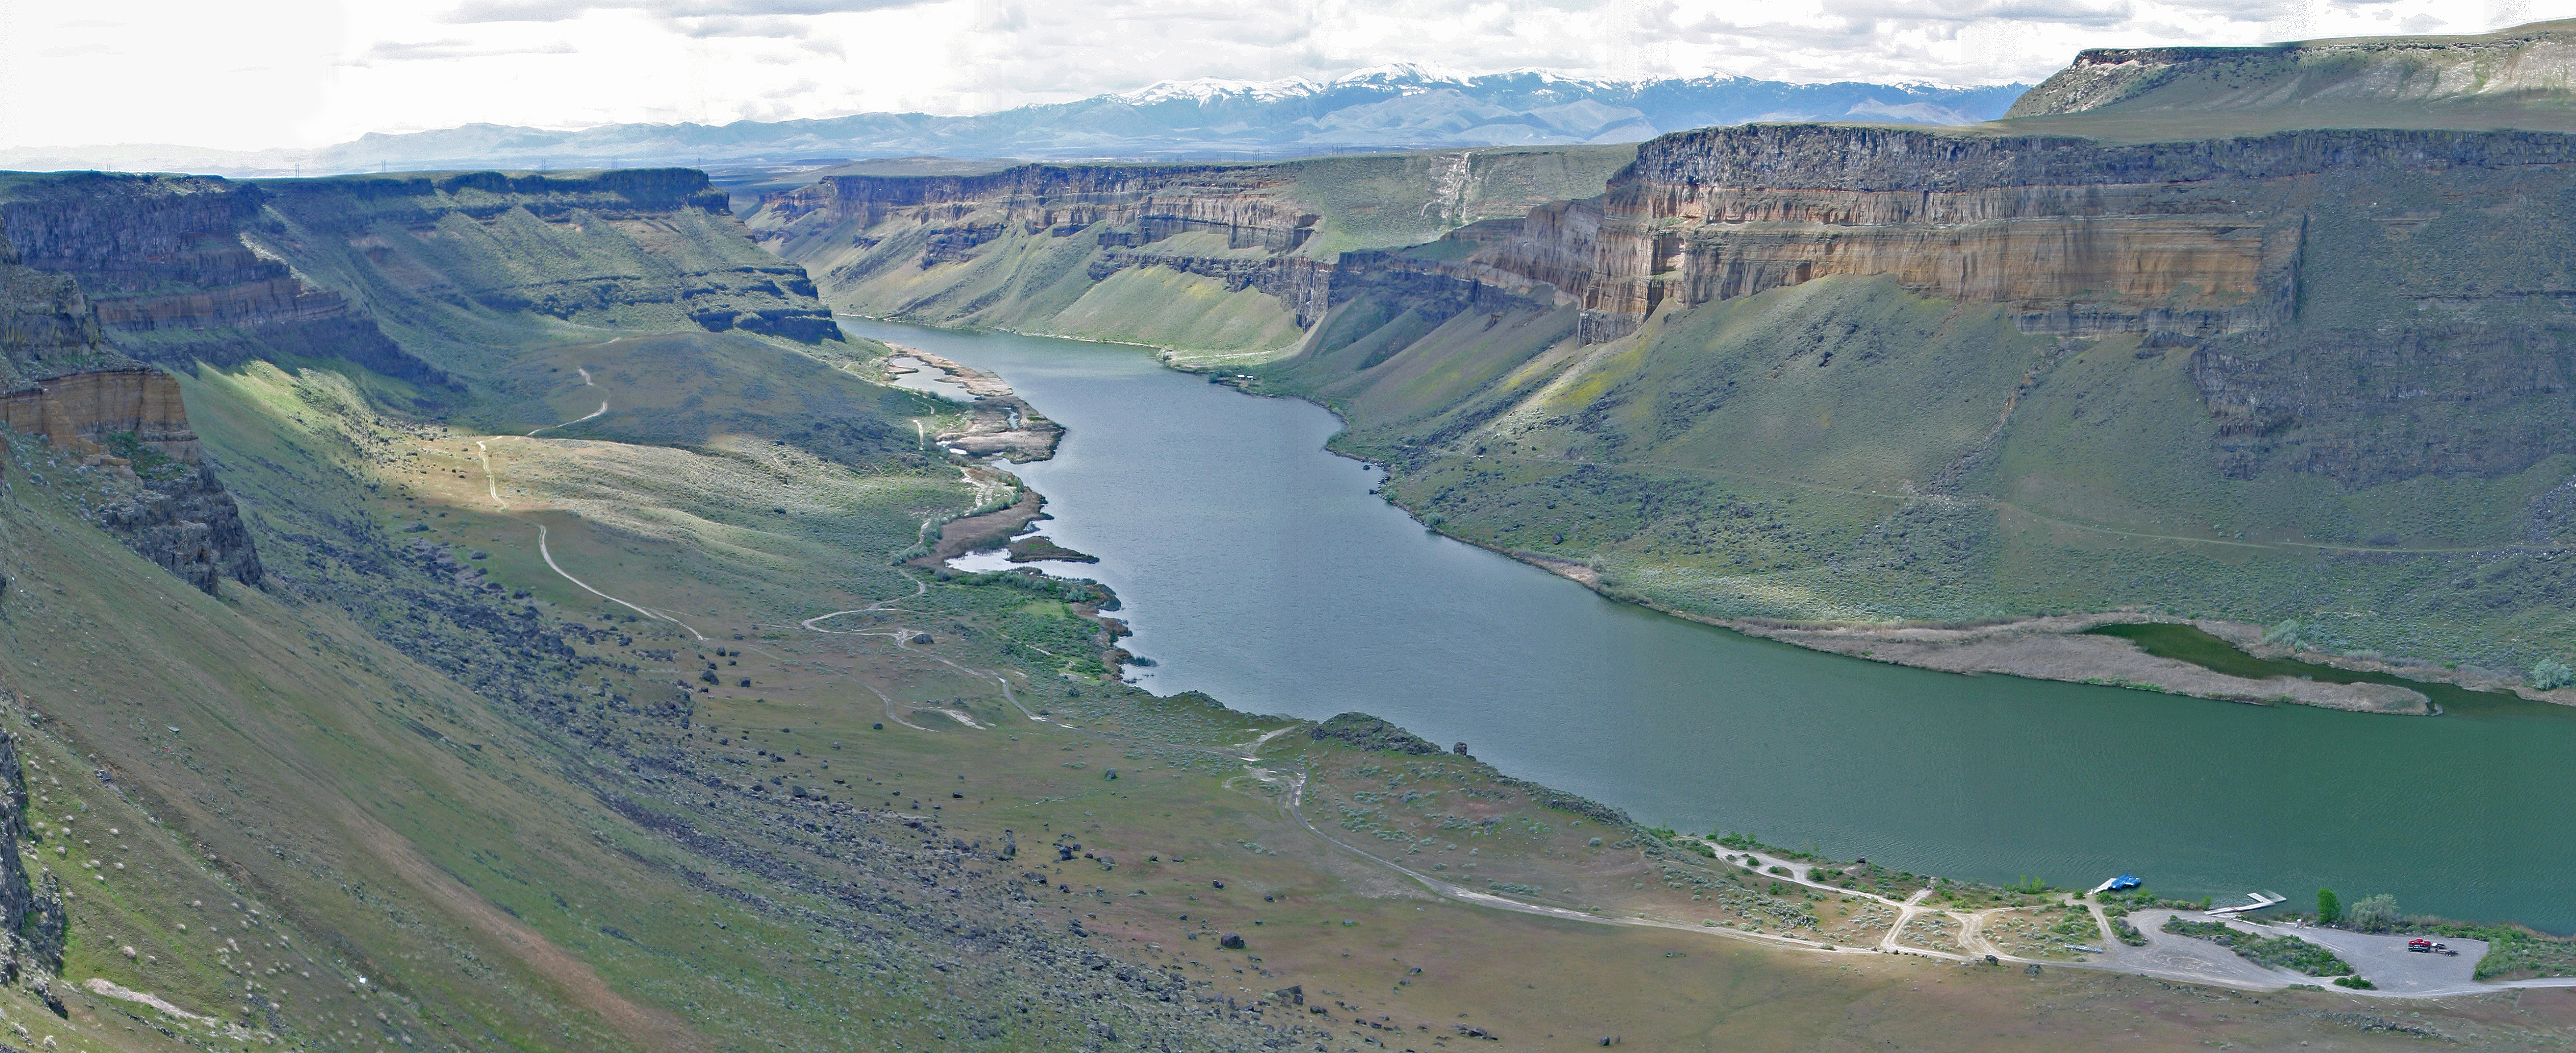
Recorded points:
(2123,883)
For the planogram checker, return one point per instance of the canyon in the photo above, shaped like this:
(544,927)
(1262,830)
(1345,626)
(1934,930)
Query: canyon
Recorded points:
(507,610)
(2325,335)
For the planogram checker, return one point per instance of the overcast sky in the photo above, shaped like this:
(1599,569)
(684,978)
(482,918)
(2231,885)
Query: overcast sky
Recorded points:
(290,73)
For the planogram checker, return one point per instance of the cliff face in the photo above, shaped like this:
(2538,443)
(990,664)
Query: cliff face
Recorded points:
(2039,369)
(31,912)
(166,502)
(2077,237)
(1247,204)
(404,275)
(165,266)
(82,411)
(2499,76)
(1082,249)
(651,249)
(46,324)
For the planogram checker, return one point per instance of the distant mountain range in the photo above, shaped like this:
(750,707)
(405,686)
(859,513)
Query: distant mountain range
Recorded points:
(1397,107)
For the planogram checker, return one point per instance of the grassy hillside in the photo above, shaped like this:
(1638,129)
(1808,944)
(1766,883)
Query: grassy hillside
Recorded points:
(1844,451)
(1199,291)
(2511,78)
(466,270)
(521,845)
(553,731)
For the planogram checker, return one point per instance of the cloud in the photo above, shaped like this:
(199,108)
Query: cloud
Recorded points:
(1963,11)
(476,11)
(345,67)
(451,49)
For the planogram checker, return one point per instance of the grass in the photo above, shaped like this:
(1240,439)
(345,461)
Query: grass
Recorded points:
(483,789)
(1720,463)
(545,827)
(2191,644)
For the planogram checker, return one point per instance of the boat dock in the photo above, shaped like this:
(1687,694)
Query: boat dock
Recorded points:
(2260,901)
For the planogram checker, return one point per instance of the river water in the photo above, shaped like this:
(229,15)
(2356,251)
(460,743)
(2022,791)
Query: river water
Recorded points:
(1259,569)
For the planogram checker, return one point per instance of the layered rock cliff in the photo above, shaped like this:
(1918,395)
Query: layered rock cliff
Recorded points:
(164,264)
(1227,257)
(2076,236)
(161,497)
(407,276)
(2522,77)
(648,249)
(46,324)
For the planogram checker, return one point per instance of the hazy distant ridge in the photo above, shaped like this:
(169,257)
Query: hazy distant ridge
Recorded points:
(1384,108)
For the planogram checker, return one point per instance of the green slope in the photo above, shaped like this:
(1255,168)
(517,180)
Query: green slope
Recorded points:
(2511,78)
(1842,450)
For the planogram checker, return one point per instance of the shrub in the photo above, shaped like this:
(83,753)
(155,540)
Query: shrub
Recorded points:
(2280,952)
(2550,674)
(2373,913)
(2329,907)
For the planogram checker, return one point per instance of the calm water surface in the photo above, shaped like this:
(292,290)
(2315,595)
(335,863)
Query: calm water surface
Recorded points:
(1257,568)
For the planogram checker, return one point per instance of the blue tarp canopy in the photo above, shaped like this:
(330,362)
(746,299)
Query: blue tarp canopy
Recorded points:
(2125,882)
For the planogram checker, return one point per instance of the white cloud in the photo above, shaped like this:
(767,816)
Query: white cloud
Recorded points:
(307,72)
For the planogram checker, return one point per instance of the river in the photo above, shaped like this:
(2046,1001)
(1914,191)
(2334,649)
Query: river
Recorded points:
(1257,568)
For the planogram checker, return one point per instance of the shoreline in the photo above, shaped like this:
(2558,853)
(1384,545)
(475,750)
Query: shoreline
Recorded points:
(2058,648)
(1965,651)
(2053,647)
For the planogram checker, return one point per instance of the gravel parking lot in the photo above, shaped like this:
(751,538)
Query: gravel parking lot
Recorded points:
(2385,961)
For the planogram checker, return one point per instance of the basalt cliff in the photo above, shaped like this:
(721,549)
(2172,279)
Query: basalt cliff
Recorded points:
(405,276)
(422,281)
(126,430)
(1205,257)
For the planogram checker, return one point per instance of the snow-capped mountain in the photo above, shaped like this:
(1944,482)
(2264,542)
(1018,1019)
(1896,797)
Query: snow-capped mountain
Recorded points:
(1392,107)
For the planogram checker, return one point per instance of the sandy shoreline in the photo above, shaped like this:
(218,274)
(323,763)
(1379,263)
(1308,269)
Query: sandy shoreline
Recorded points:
(2057,648)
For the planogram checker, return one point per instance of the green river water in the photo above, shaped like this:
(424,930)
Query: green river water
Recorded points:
(1260,569)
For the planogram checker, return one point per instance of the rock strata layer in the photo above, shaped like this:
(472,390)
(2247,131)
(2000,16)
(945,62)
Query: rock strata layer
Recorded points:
(166,503)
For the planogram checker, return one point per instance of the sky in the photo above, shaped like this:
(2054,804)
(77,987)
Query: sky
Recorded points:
(305,73)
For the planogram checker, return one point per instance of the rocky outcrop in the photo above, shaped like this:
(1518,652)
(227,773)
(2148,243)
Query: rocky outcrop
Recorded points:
(46,325)
(2079,237)
(84,411)
(182,269)
(169,508)
(2534,63)
(932,247)
(165,266)
(1248,204)
(32,919)
(641,249)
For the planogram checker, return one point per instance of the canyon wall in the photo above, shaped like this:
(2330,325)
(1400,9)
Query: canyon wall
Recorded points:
(170,277)
(81,411)
(1025,246)
(158,494)
(1247,203)
(2077,237)
(410,276)
(646,249)
(2398,80)
(427,280)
